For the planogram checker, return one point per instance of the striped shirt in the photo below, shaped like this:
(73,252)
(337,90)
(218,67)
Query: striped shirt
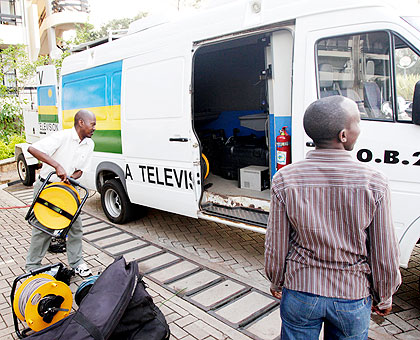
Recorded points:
(330,230)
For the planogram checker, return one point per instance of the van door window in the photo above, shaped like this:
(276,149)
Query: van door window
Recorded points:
(358,67)
(407,71)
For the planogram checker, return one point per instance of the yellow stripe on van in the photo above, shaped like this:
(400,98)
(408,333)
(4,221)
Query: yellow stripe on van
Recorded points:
(107,117)
(47,114)
(47,110)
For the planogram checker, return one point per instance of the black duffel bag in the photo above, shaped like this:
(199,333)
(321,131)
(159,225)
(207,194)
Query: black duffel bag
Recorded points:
(116,307)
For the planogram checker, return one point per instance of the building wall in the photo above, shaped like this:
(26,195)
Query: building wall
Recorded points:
(45,24)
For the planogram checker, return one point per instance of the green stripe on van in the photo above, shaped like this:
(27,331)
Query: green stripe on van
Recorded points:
(107,141)
(48,118)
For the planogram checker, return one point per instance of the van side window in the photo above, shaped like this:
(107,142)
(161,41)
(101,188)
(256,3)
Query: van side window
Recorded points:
(358,67)
(407,72)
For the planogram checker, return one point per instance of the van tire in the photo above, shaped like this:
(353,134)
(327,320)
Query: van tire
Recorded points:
(115,202)
(26,173)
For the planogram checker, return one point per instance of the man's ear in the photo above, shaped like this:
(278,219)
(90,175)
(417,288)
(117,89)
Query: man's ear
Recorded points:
(342,136)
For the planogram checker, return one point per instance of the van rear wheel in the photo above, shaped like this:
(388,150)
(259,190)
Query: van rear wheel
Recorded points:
(115,202)
(26,173)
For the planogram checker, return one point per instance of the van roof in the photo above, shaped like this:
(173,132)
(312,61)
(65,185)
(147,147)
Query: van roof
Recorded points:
(211,21)
(294,9)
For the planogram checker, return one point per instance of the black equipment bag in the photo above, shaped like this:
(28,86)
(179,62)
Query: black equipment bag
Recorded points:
(116,307)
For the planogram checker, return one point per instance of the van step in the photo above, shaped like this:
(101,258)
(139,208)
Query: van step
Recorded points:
(240,214)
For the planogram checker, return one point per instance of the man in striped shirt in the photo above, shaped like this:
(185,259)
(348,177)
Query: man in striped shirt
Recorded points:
(330,246)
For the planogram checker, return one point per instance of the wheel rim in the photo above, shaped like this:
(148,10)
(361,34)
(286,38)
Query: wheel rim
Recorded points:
(113,203)
(21,170)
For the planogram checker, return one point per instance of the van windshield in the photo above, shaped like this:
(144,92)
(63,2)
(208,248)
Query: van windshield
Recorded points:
(413,21)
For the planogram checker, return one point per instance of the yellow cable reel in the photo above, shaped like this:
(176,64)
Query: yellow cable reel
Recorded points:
(207,165)
(41,301)
(56,205)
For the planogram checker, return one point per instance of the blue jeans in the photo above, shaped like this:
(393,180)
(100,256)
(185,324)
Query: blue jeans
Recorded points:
(302,315)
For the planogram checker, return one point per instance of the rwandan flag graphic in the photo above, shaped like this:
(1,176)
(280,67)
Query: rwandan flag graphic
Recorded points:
(97,89)
(47,109)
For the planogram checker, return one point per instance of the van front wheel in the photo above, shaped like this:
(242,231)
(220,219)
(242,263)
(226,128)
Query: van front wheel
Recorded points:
(26,173)
(115,202)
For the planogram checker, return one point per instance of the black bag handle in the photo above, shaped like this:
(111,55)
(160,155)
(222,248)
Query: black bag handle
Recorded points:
(89,326)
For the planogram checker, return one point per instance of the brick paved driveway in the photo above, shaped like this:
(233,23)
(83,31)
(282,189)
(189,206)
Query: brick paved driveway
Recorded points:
(186,321)
(241,252)
(236,252)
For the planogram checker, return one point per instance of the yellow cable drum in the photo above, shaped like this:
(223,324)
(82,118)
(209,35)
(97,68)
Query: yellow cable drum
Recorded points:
(41,300)
(205,165)
(56,205)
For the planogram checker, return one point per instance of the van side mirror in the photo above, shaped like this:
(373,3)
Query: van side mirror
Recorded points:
(416,104)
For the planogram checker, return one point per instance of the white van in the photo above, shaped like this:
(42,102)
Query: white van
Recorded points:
(222,83)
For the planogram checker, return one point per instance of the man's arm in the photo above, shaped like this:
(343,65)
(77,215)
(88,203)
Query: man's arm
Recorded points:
(43,157)
(384,256)
(276,244)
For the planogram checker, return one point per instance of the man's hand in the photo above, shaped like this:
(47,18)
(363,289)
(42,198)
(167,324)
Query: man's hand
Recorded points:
(43,157)
(60,172)
(381,312)
(275,293)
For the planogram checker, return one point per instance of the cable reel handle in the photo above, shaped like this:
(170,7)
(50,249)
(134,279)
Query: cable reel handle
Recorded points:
(72,182)
(77,184)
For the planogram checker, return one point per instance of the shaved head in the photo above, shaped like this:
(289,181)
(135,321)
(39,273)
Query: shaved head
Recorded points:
(84,115)
(85,123)
(326,117)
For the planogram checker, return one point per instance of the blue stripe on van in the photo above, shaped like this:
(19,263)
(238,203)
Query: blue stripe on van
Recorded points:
(46,96)
(94,87)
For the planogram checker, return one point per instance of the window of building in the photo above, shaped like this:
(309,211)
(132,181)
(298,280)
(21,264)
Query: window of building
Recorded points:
(7,7)
(8,13)
(8,76)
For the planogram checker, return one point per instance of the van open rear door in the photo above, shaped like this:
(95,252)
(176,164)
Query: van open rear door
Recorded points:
(160,149)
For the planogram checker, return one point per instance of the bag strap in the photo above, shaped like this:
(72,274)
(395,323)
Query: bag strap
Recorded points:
(89,326)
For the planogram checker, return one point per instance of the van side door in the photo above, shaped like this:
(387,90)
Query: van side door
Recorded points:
(160,149)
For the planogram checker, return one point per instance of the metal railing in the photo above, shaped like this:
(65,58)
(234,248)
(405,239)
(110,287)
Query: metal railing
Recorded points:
(10,19)
(42,17)
(70,5)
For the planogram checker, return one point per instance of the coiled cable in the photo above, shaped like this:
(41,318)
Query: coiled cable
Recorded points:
(42,300)
(28,290)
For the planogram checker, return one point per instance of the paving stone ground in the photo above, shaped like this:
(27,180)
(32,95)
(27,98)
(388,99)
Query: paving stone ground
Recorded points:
(186,321)
(241,252)
(231,251)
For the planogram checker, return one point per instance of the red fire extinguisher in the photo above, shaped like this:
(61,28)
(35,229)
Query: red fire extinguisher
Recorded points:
(283,148)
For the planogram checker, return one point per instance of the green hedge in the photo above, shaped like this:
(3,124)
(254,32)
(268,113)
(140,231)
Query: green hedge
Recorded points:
(7,148)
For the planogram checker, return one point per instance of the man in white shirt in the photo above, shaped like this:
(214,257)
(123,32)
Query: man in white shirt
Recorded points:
(68,153)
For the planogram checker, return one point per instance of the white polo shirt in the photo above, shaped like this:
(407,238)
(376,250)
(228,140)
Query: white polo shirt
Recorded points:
(66,148)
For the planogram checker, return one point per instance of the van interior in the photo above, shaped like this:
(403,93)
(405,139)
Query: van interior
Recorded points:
(230,116)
